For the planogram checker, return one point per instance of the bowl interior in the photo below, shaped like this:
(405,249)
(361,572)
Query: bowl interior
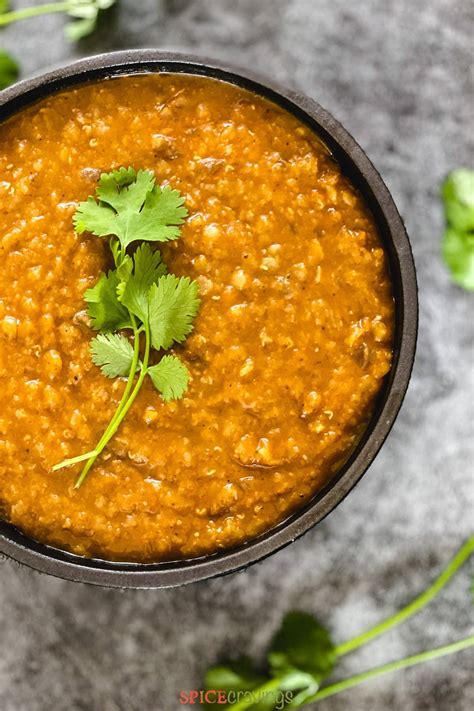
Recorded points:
(357,167)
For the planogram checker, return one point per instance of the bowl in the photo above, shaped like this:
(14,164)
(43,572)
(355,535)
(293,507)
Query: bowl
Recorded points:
(356,165)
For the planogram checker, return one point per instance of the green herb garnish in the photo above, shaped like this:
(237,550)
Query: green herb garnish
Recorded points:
(302,656)
(9,69)
(85,14)
(458,242)
(137,295)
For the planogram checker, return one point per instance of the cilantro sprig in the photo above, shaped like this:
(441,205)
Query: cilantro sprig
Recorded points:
(85,14)
(302,656)
(138,295)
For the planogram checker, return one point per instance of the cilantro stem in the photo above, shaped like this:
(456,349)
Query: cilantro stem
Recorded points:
(93,454)
(73,460)
(340,686)
(415,606)
(131,375)
(271,685)
(124,405)
(420,658)
(8,17)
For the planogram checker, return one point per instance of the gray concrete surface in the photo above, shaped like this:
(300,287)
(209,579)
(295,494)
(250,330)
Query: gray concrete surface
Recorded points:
(398,75)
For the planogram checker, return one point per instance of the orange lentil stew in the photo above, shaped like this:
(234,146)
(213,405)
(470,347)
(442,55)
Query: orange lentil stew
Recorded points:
(289,349)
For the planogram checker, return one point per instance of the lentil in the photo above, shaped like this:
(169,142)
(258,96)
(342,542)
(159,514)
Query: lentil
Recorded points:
(289,351)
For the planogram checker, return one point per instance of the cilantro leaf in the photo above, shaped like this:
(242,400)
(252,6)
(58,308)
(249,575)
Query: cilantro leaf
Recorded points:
(148,268)
(132,208)
(113,353)
(148,264)
(124,270)
(458,241)
(103,306)
(9,69)
(173,304)
(302,653)
(157,221)
(170,205)
(90,216)
(4,6)
(125,189)
(170,377)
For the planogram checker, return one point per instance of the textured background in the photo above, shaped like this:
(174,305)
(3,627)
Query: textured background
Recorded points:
(397,74)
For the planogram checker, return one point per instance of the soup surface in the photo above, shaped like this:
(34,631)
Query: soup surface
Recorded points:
(290,347)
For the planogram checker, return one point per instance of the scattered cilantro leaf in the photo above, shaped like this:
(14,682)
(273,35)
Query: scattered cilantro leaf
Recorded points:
(458,196)
(237,677)
(458,253)
(458,241)
(9,69)
(137,295)
(173,304)
(113,353)
(170,377)
(104,308)
(132,208)
(4,6)
(80,28)
(86,14)
(301,645)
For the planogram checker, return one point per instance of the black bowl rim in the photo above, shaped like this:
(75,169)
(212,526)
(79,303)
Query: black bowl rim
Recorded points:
(61,564)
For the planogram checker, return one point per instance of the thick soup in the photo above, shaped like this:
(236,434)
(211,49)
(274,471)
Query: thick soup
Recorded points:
(290,346)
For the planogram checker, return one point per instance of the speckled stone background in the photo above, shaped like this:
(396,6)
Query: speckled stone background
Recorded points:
(398,75)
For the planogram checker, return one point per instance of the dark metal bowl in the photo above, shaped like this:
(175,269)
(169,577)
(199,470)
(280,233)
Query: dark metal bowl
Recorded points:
(362,173)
